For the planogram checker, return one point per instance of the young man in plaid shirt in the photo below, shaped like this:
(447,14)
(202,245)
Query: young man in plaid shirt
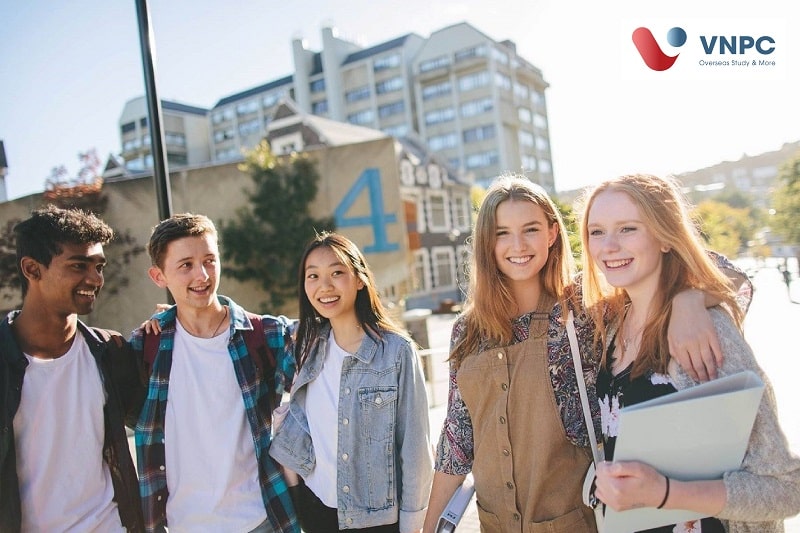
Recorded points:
(203,434)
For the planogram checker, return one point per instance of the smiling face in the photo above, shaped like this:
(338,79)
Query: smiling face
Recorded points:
(70,284)
(522,241)
(621,245)
(330,285)
(190,271)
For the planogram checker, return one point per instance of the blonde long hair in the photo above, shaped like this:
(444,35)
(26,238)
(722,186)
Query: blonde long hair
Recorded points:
(665,212)
(489,297)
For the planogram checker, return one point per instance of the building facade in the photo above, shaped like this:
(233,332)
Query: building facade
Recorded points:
(185,135)
(471,99)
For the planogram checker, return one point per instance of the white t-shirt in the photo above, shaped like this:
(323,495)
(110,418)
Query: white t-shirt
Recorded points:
(65,485)
(212,473)
(322,411)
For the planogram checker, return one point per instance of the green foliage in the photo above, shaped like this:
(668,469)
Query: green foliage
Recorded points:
(573,231)
(266,238)
(10,285)
(786,202)
(725,229)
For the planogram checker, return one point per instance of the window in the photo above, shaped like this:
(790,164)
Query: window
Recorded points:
(526,139)
(483,159)
(362,117)
(246,108)
(528,162)
(223,135)
(421,270)
(476,107)
(479,134)
(436,90)
(524,115)
(177,159)
(319,108)
(433,64)
(438,219)
(542,144)
(386,62)
(468,53)
(395,108)
(499,56)
(437,116)
(441,142)
(360,93)
(227,154)
(217,117)
(537,98)
(400,130)
(143,122)
(317,86)
(272,99)
(128,127)
(473,81)
(444,266)
(539,121)
(390,85)
(249,127)
(521,91)
(545,167)
(462,211)
(502,81)
(132,144)
(174,139)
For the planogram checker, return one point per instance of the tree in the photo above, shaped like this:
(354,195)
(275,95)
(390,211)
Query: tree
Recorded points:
(266,238)
(725,229)
(10,285)
(786,203)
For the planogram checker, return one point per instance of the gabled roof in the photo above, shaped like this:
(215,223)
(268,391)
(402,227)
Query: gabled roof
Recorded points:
(330,132)
(254,91)
(377,49)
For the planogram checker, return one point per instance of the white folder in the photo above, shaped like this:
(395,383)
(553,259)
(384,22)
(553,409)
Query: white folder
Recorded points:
(693,434)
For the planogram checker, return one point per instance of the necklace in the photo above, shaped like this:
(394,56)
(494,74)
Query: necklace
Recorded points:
(224,316)
(213,333)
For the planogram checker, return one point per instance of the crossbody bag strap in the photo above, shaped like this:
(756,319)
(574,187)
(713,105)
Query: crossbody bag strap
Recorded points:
(587,412)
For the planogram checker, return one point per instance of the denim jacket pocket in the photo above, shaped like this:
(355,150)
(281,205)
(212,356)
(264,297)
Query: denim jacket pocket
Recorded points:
(378,407)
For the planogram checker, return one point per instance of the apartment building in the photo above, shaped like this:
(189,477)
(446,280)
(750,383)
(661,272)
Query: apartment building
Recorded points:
(185,135)
(471,99)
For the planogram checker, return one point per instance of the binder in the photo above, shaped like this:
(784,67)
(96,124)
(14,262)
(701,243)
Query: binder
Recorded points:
(458,503)
(693,434)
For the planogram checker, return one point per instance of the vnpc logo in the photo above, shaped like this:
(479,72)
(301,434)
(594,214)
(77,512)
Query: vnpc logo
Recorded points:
(651,53)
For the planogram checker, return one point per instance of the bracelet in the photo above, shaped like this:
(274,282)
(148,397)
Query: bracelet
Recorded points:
(666,495)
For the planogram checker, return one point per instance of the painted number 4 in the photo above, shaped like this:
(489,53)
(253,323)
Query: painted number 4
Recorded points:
(370,181)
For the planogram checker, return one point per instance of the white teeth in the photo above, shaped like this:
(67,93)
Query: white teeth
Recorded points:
(329,299)
(86,293)
(618,263)
(520,260)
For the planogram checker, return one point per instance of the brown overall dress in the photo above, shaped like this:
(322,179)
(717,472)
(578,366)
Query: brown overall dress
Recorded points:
(528,476)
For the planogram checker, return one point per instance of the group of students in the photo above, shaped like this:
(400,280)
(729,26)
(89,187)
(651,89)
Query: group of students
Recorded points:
(654,313)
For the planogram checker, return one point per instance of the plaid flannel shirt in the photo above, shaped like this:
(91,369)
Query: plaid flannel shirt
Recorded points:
(150,427)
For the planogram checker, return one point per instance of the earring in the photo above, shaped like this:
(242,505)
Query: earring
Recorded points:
(665,249)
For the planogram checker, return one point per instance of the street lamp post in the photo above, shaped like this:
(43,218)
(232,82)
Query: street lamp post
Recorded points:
(157,149)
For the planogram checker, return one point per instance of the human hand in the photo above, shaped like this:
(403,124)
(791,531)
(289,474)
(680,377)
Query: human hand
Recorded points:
(628,485)
(152,326)
(691,336)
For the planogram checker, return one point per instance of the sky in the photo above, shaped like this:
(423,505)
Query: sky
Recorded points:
(68,68)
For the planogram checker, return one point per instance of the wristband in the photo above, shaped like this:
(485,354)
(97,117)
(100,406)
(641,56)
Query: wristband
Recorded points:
(666,495)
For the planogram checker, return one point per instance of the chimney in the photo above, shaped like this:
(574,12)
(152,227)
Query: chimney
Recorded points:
(3,172)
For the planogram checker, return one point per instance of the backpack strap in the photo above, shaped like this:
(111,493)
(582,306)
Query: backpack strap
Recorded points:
(263,358)
(151,343)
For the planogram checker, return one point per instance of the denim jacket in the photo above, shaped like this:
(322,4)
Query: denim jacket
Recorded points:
(385,469)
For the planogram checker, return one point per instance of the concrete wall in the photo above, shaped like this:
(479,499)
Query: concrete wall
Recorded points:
(218,191)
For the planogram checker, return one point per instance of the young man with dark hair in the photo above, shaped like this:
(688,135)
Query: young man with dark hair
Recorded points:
(203,436)
(65,390)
